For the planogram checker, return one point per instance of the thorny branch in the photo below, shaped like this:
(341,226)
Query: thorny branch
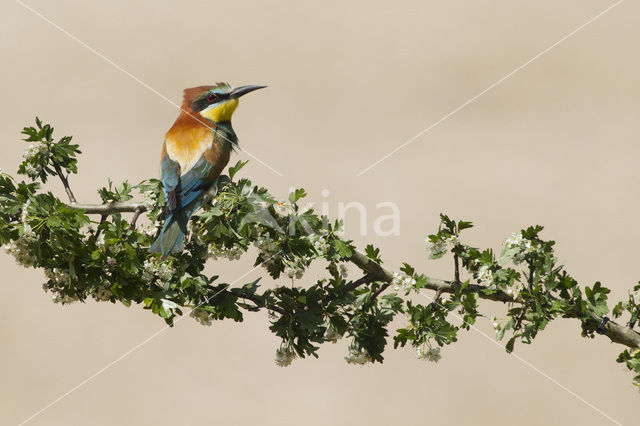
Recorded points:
(65,183)
(375,272)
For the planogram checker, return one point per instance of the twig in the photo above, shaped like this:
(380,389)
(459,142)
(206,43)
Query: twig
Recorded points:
(379,291)
(615,332)
(357,283)
(518,323)
(110,208)
(65,182)
(456,261)
(260,303)
(134,219)
(379,273)
(436,297)
(102,219)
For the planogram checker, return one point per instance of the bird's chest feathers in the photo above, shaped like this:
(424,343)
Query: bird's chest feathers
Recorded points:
(188,146)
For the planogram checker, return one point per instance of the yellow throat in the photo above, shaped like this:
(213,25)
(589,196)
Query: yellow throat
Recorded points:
(221,111)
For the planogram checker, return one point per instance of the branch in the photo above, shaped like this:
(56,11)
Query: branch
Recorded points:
(106,209)
(615,332)
(121,206)
(65,183)
(136,215)
(259,302)
(350,287)
(381,274)
(375,272)
(622,335)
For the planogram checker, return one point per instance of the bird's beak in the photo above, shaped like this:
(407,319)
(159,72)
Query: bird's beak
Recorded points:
(243,90)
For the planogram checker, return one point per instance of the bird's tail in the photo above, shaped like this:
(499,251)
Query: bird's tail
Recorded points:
(171,238)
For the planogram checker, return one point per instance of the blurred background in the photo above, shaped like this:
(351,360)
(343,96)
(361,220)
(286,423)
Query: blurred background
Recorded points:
(555,144)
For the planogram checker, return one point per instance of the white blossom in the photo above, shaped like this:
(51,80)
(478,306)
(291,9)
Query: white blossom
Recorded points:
(32,171)
(495,324)
(268,249)
(63,299)
(117,247)
(528,247)
(321,245)
(514,240)
(358,356)
(102,293)
(284,356)
(23,248)
(266,244)
(432,354)
(168,304)
(25,212)
(514,290)
(157,268)
(517,241)
(58,280)
(402,281)
(149,198)
(232,253)
(60,277)
(295,268)
(484,274)
(436,248)
(30,151)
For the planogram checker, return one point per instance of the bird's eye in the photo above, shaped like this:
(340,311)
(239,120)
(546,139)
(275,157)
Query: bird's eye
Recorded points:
(211,97)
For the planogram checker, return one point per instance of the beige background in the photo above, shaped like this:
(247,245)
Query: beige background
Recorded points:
(555,144)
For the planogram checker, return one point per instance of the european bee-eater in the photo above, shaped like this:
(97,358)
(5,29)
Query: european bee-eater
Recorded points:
(195,151)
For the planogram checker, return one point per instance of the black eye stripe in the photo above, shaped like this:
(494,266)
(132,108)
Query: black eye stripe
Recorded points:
(207,100)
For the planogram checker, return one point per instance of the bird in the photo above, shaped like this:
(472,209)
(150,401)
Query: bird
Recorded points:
(196,149)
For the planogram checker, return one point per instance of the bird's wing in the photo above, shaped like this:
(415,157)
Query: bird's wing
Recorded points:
(170,174)
(195,181)
(190,150)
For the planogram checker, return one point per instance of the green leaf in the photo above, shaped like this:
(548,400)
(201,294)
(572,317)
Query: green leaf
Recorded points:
(462,225)
(510,344)
(296,195)
(235,169)
(373,253)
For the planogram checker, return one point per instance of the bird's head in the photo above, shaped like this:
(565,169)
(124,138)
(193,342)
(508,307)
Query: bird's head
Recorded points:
(216,103)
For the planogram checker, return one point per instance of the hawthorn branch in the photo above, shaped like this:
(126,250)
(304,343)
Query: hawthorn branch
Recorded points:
(102,219)
(65,182)
(381,274)
(136,215)
(260,303)
(110,208)
(382,288)
(617,333)
(121,206)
